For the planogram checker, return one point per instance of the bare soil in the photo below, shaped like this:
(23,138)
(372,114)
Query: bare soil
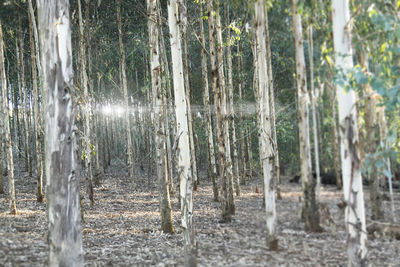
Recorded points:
(122,228)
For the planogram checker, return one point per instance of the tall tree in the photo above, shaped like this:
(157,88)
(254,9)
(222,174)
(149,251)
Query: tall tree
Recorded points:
(86,106)
(6,126)
(37,112)
(206,101)
(182,133)
(310,213)
(265,133)
(349,144)
(63,209)
(217,91)
(131,163)
(159,119)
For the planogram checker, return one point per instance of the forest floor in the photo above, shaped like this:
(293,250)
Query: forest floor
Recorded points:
(122,228)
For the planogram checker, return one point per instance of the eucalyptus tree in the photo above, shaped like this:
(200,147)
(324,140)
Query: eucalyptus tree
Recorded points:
(63,209)
(131,163)
(37,113)
(310,212)
(206,102)
(351,162)
(265,131)
(159,105)
(182,133)
(6,126)
(218,105)
(86,106)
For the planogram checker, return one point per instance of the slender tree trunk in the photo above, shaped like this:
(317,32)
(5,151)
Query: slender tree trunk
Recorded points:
(241,129)
(37,113)
(352,182)
(313,109)
(370,146)
(272,104)
(310,212)
(63,206)
(187,90)
(231,111)
(249,150)
(265,133)
(224,109)
(206,102)
(6,127)
(159,119)
(131,165)
(1,154)
(217,90)
(182,130)
(86,107)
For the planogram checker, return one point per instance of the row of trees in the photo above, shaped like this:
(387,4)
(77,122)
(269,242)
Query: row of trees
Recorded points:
(147,123)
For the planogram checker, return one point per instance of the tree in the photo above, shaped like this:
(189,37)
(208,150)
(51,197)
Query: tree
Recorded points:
(63,209)
(159,119)
(37,113)
(310,212)
(206,101)
(131,163)
(6,127)
(349,145)
(182,133)
(265,133)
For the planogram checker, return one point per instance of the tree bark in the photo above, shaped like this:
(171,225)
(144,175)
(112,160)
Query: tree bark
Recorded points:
(352,182)
(6,127)
(310,212)
(265,133)
(167,225)
(131,163)
(224,110)
(86,107)
(206,103)
(63,205)
(272,104)
(37,113)
(182,131)
(242,130)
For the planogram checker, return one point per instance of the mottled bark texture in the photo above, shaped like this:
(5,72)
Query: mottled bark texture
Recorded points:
(63,208)
(159,107)
(349,146)
(310,213)
(182,133)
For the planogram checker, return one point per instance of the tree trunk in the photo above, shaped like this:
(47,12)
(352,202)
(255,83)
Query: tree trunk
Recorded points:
(313,111)
(131,163)
(63,206)
(6,127)
(182,131)
(310,212)
(265,134)
(231,111)
(370,146)
(224,110)
(206,102)
(272,104)
(37,113)
(217,90)
(352,182)
(183,8)
(167,225)
(242,128)
(86,108)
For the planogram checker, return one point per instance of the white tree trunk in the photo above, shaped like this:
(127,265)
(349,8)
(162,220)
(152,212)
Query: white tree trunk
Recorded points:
(63,206)
(182,133)
(310,212)
(6,127)
(159,120)
(352,182)
(266,138)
